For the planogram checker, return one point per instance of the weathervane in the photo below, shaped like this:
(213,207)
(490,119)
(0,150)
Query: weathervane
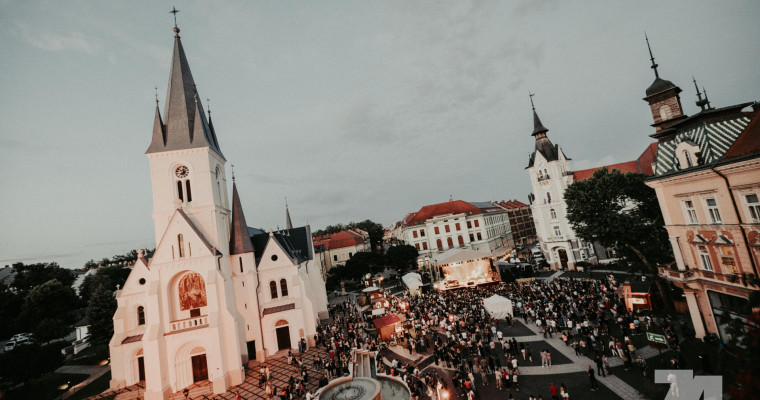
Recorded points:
(208,107)
(156,87)
(531,100)
(651,57)
(233,172)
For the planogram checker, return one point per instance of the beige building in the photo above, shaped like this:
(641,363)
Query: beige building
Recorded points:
(215,293)
(337,248)
(707,180)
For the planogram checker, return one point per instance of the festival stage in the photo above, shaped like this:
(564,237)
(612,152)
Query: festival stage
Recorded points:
(465,268)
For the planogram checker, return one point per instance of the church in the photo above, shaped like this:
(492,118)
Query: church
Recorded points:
(216,293)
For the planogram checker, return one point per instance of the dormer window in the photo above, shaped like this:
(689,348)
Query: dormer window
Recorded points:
(687,154)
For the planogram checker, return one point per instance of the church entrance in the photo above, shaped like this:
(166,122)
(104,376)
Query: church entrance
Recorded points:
(141,369)
(251,349)
(200,368)
(562,258)
(283,338)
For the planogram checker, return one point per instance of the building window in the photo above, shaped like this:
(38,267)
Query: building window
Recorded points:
(140,315)
(335,257)
(665,112)
(439,243)
(417,246)
(179,191)
(424,245)
(477,223)
(350,254)
(727,256)
(422,232)
(548,197)
(240,260)
(181,244)
(448,229)
(284,287)
(437,231)
(472,237)
(704,256)
(479,236)
(712,209)
(459,227)
(450,242)
(687,158)
(557,232)
(754,207)
(461,240)
(414,234)
(273,289)
(553,213)
(189,194)
(469,224)
(691,213)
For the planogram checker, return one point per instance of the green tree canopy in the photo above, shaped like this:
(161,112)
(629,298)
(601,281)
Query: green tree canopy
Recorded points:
(51,300)
(108,277)
(401,257)
(100,310)
(621,211)
(29,276)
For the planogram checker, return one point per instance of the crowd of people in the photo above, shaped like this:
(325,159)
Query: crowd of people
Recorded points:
(455,330)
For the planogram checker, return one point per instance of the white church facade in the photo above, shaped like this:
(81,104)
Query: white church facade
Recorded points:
(216,293)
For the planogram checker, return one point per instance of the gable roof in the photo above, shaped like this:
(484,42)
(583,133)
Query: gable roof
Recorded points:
(748,143)
(642,165)
(449,207)
(293,241)
(345,238)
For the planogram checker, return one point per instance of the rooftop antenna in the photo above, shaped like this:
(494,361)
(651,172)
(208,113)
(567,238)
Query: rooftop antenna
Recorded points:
(651,57)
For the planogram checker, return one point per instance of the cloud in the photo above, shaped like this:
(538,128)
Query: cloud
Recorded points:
(530,6)
(52,41)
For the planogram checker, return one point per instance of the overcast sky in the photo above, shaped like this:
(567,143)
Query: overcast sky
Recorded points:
(352,110)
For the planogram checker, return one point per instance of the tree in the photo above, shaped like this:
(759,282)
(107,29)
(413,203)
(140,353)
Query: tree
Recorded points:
(30,361)
(109,277)
(50,300)
(373,229)
(10,308)
(100,310)
(401,257)
(621,211)
(29,276)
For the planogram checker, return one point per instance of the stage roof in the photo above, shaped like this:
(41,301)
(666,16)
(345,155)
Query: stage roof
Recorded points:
(452,256)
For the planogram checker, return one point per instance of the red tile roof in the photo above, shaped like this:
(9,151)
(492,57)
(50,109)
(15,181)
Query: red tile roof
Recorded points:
(386,320)
(339,240)
(509,204)
(642,165)
(748,143)
(449,207)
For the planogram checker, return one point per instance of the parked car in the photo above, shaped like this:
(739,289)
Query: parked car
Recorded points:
(10,346)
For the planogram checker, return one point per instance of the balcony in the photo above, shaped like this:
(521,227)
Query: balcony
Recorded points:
(696,274)
(190,323)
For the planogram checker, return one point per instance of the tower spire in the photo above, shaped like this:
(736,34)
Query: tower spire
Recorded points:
(651,57)
(240,241)
(288,222)
(538,127)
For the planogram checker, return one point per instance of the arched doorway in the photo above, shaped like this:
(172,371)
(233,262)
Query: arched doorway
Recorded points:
(200,366)
(450,242)
(282,331)
(562,254)
(140,366)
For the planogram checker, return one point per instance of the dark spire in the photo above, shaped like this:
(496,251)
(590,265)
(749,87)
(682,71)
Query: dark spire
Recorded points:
(704,91)
(185,126)
(288,222)
(700,102)
(651,57)
(538,127)
(240,241)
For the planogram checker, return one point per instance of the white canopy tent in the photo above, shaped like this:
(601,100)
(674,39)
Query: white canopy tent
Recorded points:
(413,281)
(498,307)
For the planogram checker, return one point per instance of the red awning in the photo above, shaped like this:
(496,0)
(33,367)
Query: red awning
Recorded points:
(389,319)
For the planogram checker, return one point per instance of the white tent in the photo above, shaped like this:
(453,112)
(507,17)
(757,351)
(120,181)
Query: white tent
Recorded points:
(497,306)
(412,280)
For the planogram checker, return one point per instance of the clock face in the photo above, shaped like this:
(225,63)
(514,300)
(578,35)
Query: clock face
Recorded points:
(182,171)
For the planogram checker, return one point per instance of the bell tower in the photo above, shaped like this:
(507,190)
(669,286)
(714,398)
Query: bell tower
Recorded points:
(186,163)
(663,98)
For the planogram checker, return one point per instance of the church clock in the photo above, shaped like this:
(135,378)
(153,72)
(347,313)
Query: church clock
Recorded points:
(182,171)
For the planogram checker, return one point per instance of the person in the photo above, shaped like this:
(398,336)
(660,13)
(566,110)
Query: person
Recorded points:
(606,363)
(599,366)
(673,384)
(554,391)
(563,392)
(238,396)
(497,375)
(592,378)
(514,379)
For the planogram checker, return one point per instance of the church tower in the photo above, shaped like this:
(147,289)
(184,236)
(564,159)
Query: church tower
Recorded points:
(550,175)
(663,98)
(186,163)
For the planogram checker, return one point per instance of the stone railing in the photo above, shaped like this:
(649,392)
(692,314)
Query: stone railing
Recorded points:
(693,274)
(190,323)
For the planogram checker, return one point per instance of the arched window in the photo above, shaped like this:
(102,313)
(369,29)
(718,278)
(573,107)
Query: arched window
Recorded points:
(439,244)
(189,195)
(179,191)
(461,240)
(665,112)
(284,287)
(140,315)
(450,242)
(181,244)
(687,158)
(687,154)
(273,289)
(553,213)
